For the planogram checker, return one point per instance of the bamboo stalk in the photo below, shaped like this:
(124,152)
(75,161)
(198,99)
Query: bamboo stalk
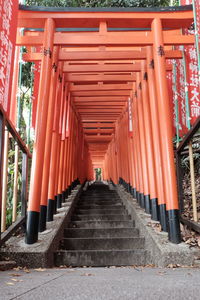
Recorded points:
(15,189)
(4,182)
(194,200)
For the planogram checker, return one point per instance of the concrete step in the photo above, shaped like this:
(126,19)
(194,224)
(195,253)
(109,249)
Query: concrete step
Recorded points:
(100,258)
(82,205)
(99,194)
(100,199)
(92,198)
(101,224)
(100,217)
(102,243)
(111,203)
(114,210)
(100,233)
(7,265)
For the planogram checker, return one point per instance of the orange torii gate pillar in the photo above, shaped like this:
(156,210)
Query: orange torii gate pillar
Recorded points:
(166,135)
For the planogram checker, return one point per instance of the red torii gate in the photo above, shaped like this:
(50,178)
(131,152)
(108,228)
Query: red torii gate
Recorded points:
(104,84)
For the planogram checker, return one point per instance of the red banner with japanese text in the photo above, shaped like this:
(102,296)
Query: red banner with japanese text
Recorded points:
(197,6)
(8,28)
(192,84)
(181,98)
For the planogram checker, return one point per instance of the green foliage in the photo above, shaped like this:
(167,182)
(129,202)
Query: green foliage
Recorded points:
(99,3)
(26,75)
(10,185)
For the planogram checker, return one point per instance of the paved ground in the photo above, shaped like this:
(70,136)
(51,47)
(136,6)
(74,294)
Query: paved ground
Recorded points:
(101,284)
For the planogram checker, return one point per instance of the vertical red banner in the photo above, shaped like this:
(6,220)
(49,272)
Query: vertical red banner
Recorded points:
(8,29)
(191,65)
(181,96)
(198,19)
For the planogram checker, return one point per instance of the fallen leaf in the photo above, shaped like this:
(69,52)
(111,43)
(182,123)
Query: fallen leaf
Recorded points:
(17,268)
(198,241)
(16,280)
(161,273)
(87,274)
(10,283)
(40,270)
(26,270)
(173,266)
(15,274)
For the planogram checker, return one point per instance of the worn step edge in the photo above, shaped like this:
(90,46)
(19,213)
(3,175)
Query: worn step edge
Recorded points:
(100,232)
(101,224)
(101,217)
(103,243)
(100,258)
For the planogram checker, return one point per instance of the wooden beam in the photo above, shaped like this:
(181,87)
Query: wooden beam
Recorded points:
(98,138)
(98,125)
(89,19)
(105,105)
(100,87)
(99,68)
(101,93)
(105,39)
(99,77)
(100,98)
(99,119)
(98,130)
(99,110)
(101,55)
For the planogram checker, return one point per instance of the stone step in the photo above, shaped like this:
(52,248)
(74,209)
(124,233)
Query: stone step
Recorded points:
(97,206)
(108,197)
(7,265)
(100,194)
(114,210)
(100,258)
(101,224)
(103,243)
(111,203)
(100,217)
(91,198)
(100,233)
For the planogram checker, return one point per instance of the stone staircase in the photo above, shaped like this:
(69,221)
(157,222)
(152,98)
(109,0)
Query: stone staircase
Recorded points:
(101,233)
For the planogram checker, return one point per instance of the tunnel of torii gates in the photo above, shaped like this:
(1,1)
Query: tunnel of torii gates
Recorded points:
(103,102)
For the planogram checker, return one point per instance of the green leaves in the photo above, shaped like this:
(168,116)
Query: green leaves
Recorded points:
(99,3)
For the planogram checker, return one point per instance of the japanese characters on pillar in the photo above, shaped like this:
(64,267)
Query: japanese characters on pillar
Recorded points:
(130,121)
(171,98)
(36,72)
(8,27)
(37,69)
